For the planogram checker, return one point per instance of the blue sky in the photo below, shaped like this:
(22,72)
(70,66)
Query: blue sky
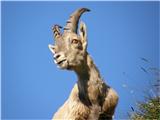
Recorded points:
(119,34)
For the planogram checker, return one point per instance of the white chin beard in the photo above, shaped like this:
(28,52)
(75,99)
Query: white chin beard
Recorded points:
(63,65)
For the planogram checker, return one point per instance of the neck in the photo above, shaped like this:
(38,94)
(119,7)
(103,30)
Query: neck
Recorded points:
(89,81)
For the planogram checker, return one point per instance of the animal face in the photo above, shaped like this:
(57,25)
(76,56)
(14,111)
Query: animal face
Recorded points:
(69,49)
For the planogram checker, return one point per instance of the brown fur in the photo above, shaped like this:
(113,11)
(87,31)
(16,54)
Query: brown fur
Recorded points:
(90,98)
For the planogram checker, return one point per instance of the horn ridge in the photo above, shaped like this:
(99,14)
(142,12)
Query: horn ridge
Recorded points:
(56,31)
(72,23)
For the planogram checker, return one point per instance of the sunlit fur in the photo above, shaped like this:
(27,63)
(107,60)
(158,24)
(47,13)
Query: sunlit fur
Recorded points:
(90,98)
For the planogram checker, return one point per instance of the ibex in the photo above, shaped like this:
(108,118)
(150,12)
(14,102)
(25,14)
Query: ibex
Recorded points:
(90,98)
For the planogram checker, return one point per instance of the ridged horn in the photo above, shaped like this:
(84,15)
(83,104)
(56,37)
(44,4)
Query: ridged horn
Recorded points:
(56,31)
(72,23)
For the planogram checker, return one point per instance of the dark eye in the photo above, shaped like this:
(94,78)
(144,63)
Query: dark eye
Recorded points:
(75,41)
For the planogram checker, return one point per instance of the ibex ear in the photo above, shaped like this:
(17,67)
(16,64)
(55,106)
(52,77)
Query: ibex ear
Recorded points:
(51,48)
(83,35)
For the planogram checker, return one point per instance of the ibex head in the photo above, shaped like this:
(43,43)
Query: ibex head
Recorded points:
(70,47)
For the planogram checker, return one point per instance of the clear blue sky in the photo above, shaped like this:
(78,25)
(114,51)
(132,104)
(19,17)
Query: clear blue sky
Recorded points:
(119,34)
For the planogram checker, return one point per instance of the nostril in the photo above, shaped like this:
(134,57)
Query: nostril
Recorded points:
(56,56)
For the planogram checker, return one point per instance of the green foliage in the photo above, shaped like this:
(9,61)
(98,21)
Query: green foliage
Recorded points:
(148,111)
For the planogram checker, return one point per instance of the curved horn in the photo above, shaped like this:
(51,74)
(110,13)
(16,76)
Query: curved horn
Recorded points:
(56,31)
(72,23)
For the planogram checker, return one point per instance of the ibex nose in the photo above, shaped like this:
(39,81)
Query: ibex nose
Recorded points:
(56,56)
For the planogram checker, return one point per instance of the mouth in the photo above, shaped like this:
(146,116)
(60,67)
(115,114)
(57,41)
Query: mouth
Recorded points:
(60,62)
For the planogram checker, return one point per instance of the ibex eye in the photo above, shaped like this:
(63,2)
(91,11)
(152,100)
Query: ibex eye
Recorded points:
(75,41)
